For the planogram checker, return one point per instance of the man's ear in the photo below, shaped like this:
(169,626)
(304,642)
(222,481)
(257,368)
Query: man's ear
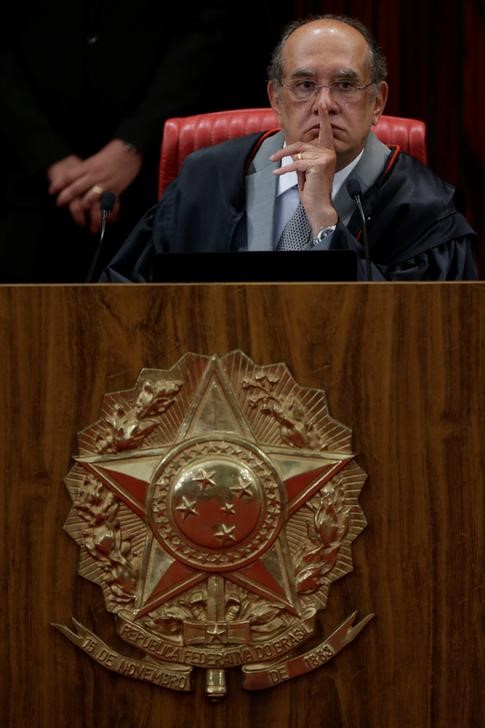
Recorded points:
(380,101)
(274,97)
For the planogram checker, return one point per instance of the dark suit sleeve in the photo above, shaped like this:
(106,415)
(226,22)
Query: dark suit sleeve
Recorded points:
(184,76)
(62,94)
(150,239)
(30,137)
(455,260)
(134,260)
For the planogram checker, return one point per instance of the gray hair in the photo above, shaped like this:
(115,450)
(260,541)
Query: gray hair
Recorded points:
(377,61)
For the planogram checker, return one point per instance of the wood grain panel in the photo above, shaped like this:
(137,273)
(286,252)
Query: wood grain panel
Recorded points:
(402,365)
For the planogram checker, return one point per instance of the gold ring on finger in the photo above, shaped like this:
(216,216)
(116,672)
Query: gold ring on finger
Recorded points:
(97,189)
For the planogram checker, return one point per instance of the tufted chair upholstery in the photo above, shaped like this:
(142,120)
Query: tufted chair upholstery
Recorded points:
(184,135)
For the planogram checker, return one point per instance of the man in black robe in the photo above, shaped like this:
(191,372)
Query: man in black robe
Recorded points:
(288,190)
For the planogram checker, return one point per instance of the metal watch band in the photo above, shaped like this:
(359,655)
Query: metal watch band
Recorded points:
(323,233)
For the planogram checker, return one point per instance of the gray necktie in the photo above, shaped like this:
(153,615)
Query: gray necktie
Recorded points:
(297,233)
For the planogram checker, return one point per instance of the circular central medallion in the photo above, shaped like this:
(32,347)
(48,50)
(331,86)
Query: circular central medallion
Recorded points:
(216,503)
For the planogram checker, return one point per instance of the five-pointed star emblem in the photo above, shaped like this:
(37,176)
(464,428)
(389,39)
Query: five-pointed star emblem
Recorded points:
(225,533)
(187,507)
(131,477)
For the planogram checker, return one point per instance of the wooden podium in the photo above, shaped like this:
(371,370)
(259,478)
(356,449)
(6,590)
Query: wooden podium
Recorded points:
(402,365)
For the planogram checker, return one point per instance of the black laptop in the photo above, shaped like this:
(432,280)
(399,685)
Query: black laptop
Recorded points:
(256,267)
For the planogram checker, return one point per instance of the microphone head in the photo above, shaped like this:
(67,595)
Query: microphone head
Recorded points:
(107,201)
(353,187)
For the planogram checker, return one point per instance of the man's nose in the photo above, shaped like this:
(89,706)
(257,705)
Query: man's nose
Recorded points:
(324,97)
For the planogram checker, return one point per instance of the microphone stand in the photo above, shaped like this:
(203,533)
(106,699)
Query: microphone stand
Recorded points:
(365,239)
(354,190)
(106,204)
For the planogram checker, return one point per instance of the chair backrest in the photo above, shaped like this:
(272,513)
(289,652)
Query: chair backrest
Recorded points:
(183,135)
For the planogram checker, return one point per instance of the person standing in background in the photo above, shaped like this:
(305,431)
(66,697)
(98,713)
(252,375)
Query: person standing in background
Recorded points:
(85,87)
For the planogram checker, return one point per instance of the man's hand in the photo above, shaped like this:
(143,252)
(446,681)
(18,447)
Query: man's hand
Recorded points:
(314,163)
(78,184)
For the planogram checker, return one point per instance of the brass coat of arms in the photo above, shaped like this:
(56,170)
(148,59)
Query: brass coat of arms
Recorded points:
(214,504)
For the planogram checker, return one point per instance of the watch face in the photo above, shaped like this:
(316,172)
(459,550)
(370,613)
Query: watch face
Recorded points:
(324,233)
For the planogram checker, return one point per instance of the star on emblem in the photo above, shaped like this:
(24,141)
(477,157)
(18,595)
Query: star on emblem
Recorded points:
(204,479)
(225,533)
(180,554)
(187,508)
(215,633)
(243,489)
(228,508)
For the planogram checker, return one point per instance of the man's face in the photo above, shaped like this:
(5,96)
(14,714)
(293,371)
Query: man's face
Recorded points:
(325,52)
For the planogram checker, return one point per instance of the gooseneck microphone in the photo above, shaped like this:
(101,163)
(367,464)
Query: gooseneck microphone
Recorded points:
(106,204)
(355,191)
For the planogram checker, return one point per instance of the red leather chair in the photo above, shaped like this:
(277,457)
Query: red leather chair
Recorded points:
(184,135)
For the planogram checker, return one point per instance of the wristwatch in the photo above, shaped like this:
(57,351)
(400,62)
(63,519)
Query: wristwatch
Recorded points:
(323,233)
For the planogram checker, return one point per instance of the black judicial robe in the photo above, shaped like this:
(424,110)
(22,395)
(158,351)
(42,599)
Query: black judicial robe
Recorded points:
(415,229)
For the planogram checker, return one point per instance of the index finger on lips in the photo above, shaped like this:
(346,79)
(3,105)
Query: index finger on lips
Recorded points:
(325,136)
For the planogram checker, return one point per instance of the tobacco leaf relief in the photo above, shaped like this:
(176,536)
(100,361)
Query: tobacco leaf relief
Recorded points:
(288,411)
(125,430)
(325,536)
(104,542)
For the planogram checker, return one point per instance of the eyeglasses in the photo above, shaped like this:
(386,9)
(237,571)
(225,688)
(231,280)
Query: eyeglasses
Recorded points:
(344,90)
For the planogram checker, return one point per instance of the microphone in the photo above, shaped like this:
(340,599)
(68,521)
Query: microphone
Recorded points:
(355,192)
(106,204)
